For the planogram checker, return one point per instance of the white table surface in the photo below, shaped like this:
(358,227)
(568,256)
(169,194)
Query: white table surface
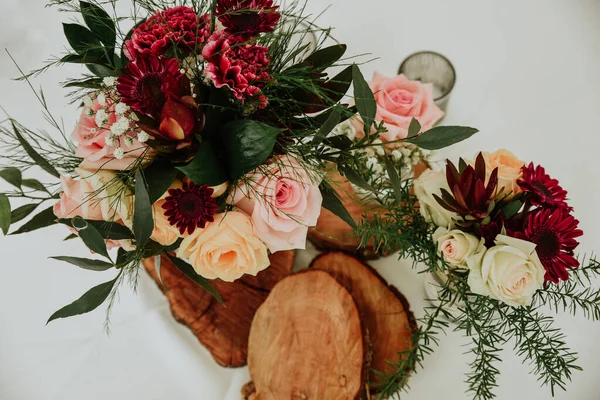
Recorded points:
(527,78)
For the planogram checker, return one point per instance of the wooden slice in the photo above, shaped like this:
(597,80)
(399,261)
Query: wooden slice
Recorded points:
(384,310)
(306,342)
(223,330)
(332,233)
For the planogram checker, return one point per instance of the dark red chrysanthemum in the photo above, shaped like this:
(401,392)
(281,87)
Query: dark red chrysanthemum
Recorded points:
(177,27)
(190,207)
(148,82)
(248,17)
(240,66)
(542,189)
(554,232)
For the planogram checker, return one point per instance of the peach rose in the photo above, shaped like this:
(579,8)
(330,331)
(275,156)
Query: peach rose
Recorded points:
(225,249)
(97,196)
(92,146)
(399,100)
(283,202)
(509,169)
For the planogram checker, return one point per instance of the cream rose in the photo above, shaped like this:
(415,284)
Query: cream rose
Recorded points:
(226,248)
(510,271)
(98,196)
(456,246)
(429,183)
(509,169)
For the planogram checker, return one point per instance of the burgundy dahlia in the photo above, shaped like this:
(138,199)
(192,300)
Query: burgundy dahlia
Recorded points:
(240,66)
(248,17)
(179,27)
(554,232)
(542,189)
(190,207)
(148,82)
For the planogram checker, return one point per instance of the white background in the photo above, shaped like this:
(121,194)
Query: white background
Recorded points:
(527,78)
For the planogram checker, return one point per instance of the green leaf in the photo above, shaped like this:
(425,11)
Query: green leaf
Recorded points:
(100,23)
(325,58)
(248,144)
(188,271)
(20,213)
(39,221)
(34,184)
(335,205)
(39,160)
(414,128)
(442,136)
(81,39)
(327,127)
(159,177)
(92,265)
(12,175)
(70,237)
(108,230)
(101,70)
(90,236)
(205,167)
(341,142)
(365,101)
(143,222)
(512,208)
(88,58)
(355,178)
(394,179)
(4,213)
(86,303)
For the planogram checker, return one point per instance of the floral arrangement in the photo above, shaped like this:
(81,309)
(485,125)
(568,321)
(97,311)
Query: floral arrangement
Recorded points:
(497,239)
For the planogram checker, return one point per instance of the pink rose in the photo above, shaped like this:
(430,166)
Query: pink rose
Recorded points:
(96,196)
(399,100)
(283,204)
(91,140)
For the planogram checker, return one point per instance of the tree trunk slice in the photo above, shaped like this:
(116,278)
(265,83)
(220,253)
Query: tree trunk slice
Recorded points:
(223,330)
(332,233)
(307,342)
(384,310)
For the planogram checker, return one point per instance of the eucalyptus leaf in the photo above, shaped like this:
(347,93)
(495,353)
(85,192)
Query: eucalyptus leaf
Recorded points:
(332,203)
(442,136)
(20,213)
(355,178)
(5,218)
(90,236)
(327,127)
(394,179)
(248,144)
(42,220)
(365,100)
(188,271)
(108,230)
(12,175)
(159,177)
(85,263)
(414,128)
(205,168)
(86,303)
(34,184)
(100,23)
(34,155)
(143,222)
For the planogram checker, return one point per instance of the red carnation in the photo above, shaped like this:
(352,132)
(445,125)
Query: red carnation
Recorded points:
(542,189)
(248,17)
(554,233)
(190,207)
(148,82)
(178,26)
(240,66)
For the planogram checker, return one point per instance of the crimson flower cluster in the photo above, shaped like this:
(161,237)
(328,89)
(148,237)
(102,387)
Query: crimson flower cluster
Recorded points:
(539,213)
(248,17)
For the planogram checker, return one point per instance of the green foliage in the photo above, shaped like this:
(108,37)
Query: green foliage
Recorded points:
(442,136)
(5,218)
(414,128)
(42,220)
(85,263)
(12,176)
(332,121)
(34,155)
(248,144)
(34,184)
(205,168)
(108,230)
(332,203)
(86,303)
(90,236)
(324,58)
(100,24)
(22,212)
(159,177)
(143,219)
(187,270)
(365,101)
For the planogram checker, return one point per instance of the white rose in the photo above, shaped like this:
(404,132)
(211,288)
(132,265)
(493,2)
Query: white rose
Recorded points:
(510,272)
(456,246)
(429,183)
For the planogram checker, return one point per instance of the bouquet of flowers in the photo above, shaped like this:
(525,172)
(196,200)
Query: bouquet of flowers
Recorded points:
(497,238)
